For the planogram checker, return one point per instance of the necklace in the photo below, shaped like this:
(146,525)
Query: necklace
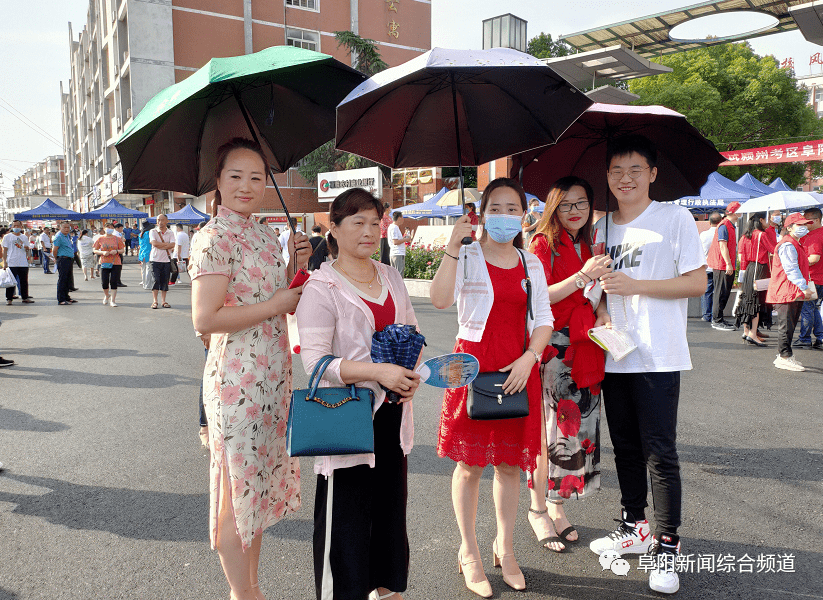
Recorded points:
(369,282)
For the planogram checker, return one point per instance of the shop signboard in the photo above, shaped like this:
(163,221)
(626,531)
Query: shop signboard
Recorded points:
(330,185)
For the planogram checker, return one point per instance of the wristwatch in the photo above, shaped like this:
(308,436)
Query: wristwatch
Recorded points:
(579,281)
(537,357)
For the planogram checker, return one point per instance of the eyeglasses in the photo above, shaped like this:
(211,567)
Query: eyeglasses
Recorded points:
(581,206)
(634,173)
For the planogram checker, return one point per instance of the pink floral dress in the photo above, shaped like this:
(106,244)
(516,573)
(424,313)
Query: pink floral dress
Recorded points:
(248,377)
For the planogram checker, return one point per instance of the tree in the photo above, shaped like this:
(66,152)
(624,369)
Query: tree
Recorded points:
(738,100)
(326,158)
(542,46)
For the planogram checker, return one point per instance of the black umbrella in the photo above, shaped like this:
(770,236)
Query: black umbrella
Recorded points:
(456,108)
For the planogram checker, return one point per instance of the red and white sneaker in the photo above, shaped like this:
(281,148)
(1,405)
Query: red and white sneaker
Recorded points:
(630,537)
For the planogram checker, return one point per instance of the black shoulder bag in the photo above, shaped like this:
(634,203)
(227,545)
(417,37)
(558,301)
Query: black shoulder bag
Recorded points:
(486,400)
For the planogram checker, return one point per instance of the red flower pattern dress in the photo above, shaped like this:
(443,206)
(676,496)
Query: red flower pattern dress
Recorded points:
(514,442)
(247,379)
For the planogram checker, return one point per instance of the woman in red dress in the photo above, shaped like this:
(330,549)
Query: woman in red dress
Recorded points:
(489,286)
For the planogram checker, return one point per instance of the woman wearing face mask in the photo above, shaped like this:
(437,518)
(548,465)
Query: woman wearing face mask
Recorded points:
(109,247)
(754,248)
(85,245)
(487,280)
(789,287)
(569,465)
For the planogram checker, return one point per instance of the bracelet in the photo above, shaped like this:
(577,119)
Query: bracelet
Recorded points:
(537,357)
(450,256)
(586,276)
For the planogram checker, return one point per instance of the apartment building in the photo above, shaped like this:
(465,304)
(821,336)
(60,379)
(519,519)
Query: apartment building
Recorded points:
(129,50)
(45,179)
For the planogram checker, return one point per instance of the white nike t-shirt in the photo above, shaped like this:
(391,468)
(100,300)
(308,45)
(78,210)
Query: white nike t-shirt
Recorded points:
(661,243)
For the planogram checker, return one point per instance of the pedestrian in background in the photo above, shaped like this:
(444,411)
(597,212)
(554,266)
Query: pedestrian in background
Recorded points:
(706,237)
(110,248)
(810,318)
(385,222)
(240,297)
(64,256)
(361,544)
(4,362)
(44,245)
(569,464)
(181,253)
(488,282)
(144,256)
(755,246)
(119,232)
(162,243)
(85,246)
(722,258)
(398,242)
(15,255)
(35,253)
(127,238)
(789,287)
(530,221)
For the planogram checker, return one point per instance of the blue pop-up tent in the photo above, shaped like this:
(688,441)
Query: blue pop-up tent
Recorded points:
(430,209)
(748,181)
(114,210)
(185,216)
(778,185)
(48,210)
(717,192)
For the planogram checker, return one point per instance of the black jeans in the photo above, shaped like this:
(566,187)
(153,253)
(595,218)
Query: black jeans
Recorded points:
(64,277)
(111,277)
(787,317)
(21,274)
(641,410)
(162,271)
(722,290)
(384,251)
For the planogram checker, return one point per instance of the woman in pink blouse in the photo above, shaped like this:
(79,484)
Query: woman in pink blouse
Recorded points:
(360,543)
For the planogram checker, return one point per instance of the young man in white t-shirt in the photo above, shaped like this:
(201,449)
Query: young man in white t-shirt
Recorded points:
(15,255)
(181,252)
(658,263)
(397,243)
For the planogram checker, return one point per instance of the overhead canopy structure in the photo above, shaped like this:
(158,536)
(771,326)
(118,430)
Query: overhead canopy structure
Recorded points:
(185,216)
(717,193)
(748,181)
(610,64)
(48,210)
(780,186)
(114,210)
(809,19)
(649,36)
(608,94)
(431,208)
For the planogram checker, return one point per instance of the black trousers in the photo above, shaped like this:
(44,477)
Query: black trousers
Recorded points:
(162,271)
(21,274)
(64,277)
(385,250)
(722,290)
(77,260)
(111,277)
(363,544)
(787,316)
(641,410)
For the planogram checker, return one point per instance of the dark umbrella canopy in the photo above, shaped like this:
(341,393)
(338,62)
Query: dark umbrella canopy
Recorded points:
(287,94)
(506,102)
(685,157)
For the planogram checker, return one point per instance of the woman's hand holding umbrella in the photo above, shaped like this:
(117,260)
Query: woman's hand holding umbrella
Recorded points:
(398,379)
(300,249)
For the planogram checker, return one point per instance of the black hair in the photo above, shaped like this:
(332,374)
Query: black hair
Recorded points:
(623,146)
(503,182)
(715,218)
(223,153)
(347,204)
(754,223)
(317,229)
(395,216)
(815,213)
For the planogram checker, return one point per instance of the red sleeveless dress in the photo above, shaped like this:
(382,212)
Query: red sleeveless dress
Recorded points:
(515,442)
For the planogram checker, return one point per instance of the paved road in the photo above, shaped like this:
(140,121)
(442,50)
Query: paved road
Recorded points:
(105,497)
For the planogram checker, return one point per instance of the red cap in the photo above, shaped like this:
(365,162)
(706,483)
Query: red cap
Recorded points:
(797,219)
(732,208)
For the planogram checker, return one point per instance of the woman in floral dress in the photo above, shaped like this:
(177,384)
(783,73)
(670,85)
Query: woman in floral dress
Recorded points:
(240,298)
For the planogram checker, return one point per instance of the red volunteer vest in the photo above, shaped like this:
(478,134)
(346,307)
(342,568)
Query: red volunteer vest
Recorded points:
(714,258)
(781,290)
(813,244)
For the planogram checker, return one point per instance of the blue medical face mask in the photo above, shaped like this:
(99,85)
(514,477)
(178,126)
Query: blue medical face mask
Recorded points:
(503,228)
(109,231)
(16,230)
(800,231)
(777,219)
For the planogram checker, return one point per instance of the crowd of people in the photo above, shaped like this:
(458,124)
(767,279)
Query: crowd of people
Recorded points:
(528,290)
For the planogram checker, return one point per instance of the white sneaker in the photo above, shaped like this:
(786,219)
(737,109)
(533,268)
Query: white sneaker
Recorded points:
(664,578)
(628,538)
(789,364)
(105,300)
(113,304)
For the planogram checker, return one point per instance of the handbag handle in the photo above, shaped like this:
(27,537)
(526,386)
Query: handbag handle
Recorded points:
(317,375)
(529,311)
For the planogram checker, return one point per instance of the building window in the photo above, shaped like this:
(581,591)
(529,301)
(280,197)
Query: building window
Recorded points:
(818,94)
(302,38)
(305,4)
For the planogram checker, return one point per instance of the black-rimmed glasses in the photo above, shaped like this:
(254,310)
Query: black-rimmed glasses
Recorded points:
(581,206)
(634,173)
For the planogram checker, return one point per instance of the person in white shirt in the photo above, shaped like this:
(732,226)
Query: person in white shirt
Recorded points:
(181,252)
(284,239)
(15,256)
(706,240)
(162,243)
(44,242)
(397,243)
(658,264)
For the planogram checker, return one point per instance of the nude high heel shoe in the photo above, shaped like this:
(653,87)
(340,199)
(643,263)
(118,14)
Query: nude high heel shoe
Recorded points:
(516,581)
(482,587)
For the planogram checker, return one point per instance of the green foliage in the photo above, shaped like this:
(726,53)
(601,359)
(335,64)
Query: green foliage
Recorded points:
(422,261)
(469,175)
(738,100)
(542,46)
(326,158)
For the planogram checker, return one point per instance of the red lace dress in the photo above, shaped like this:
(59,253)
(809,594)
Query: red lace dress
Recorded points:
(512,441)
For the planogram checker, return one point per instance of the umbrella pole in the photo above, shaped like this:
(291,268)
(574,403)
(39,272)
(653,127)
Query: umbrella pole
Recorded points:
(466,240)
(271,171)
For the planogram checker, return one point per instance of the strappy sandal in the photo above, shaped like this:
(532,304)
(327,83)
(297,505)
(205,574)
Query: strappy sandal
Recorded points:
(551,539)
(154,304)
(166,305)
(564,535)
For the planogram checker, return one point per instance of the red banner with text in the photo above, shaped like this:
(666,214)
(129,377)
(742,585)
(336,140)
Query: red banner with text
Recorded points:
(797,152)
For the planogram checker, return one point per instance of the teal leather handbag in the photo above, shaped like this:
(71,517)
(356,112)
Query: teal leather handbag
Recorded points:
(324,421)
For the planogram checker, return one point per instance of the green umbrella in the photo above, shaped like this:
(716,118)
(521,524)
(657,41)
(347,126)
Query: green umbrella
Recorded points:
(284,97)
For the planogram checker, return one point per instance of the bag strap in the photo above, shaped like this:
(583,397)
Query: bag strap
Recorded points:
(317,375)
(529,311)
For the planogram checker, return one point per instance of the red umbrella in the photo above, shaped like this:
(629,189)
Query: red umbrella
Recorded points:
(685,157)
